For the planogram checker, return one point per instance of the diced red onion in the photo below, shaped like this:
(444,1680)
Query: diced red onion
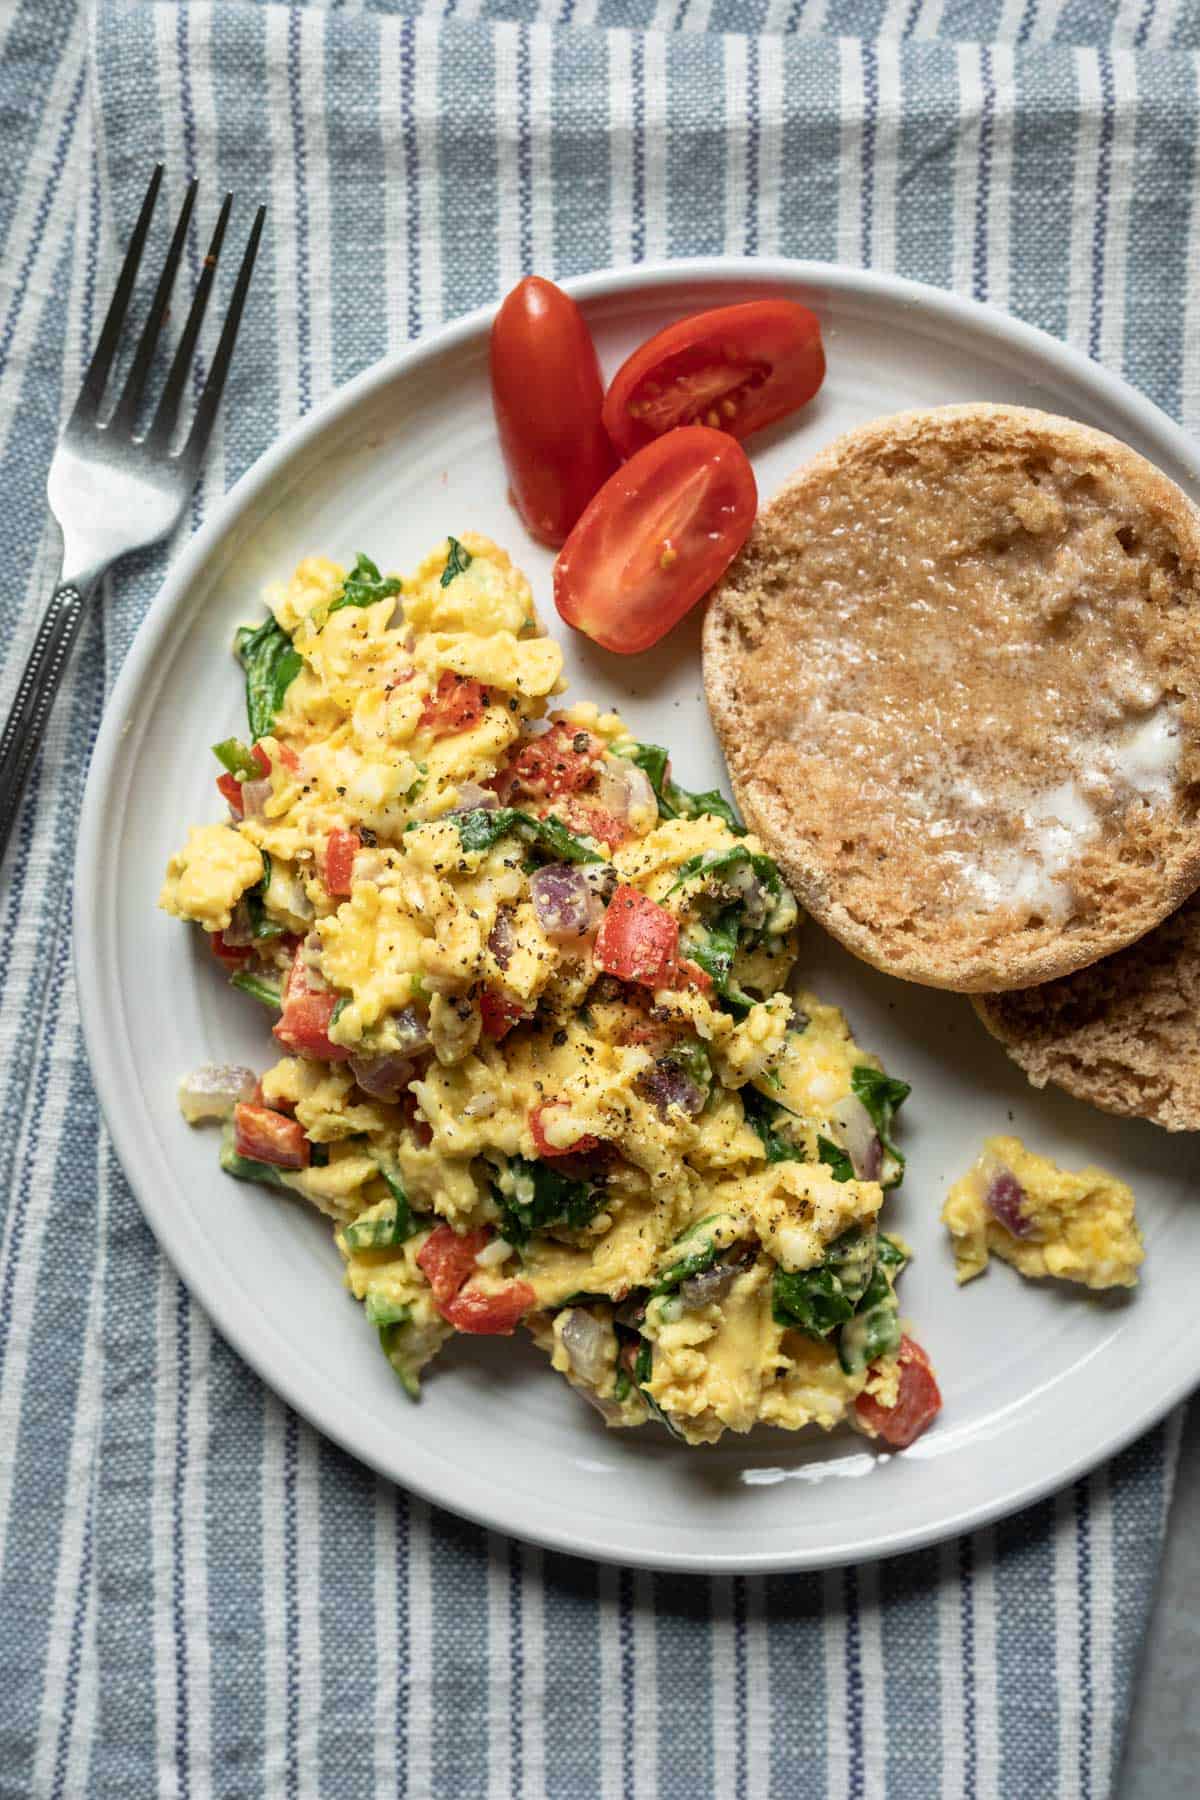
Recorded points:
(213,1091)
(584,1339)
(623,786)
(1005,1198)
(502,939)
(713,1284)
(473,798)
(383,1077)
(563,901)
(411,1027)
(666,1085)
(859,1138)
(255,795)
(239,932)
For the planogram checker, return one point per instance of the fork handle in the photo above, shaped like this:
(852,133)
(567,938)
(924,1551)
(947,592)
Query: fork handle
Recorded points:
(35,697)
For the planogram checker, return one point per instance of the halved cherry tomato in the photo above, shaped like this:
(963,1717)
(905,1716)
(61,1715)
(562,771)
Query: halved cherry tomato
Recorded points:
(559,762)
(587,819)
(448,1259)
(547,394)
(340,852)
(692,975)
(230,956)
(638,940)
(656,537)
(917,1404)
(287,757)
(498,1014)
(304,1021)
(266,1136)
(537,1125)
(489,1312)
(456,704)
(736,368)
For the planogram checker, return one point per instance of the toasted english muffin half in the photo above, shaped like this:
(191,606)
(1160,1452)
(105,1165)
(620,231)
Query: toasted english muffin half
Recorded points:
(955,672)
(1121,1034)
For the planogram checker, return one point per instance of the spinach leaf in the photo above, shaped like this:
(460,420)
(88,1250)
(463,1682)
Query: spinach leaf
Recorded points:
(259,988)
(388,1228)
(235,756)
(260,924)
(539,1196)
(391,1341)
(457,563)
(271,664)
(643,1369)
(883,1096)
(835,1159)
(387,1312)
(889,1253)
(363,586)
(713,864)
(675,802)
(480,829)
(818,1300)
(713,944)
(770,1122)
(693,1251)
(874,1330)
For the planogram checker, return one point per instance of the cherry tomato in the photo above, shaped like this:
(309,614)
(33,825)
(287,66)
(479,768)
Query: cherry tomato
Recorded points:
(307,1012)
(917,1404)
(559,762)
(230,956)
(448,1259)
(638,940)
(340,852)
(230,789)
(267,1137)
(543,1145)
(489,1312)
(656,537)
(547,393)
(455,705)
(737,369)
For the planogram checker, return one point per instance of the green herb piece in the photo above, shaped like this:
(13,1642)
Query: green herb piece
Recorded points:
(382,1311)
(245,1168)
(874,1330)
(480,829)
(695,1250)
(391,1341)
(260,924)
(675,802)
(457,563)
(363,586)
(258,988)
(889,1253)
(835,1159)
(271,664)
(533,1195)
(883,1096)
(622,1384)
(817,1300)
(238,759)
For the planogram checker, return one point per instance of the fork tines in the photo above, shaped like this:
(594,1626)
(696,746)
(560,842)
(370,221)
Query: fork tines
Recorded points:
(166,416)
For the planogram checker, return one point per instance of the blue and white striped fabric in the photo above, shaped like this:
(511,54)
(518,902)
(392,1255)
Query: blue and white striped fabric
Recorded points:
(198,1596)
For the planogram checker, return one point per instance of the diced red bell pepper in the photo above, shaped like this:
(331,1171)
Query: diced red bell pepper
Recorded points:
(537,1124)
(447,1259)
(917,1404)
(455,705)
(692,975)
(489,1312)
(262,759)
(230,789)
(303,1026)
(499,1013)
(340,852)
(638,940)
(268,1137)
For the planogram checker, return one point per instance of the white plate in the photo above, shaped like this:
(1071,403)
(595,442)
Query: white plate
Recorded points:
(1039,1382)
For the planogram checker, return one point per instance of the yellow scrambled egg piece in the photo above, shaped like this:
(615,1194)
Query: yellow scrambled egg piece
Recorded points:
(1073,1225)
(466,1075)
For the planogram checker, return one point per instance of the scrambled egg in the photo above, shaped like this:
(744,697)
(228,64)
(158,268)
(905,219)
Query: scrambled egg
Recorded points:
(1042,1219)
(541,1062)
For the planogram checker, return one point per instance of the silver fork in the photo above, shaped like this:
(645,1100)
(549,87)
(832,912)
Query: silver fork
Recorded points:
(110,491)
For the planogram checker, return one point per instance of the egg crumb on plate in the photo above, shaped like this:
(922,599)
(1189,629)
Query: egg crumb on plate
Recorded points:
(1045,1221)
(539,1059)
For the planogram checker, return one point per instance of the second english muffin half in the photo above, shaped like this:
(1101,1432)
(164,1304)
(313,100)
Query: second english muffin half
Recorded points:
(955,675)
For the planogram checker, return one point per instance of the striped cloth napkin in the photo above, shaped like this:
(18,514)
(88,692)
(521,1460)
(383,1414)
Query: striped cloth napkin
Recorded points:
(198,1596)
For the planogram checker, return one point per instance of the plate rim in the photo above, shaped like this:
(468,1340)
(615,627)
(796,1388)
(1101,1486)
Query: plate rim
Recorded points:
(139,664)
